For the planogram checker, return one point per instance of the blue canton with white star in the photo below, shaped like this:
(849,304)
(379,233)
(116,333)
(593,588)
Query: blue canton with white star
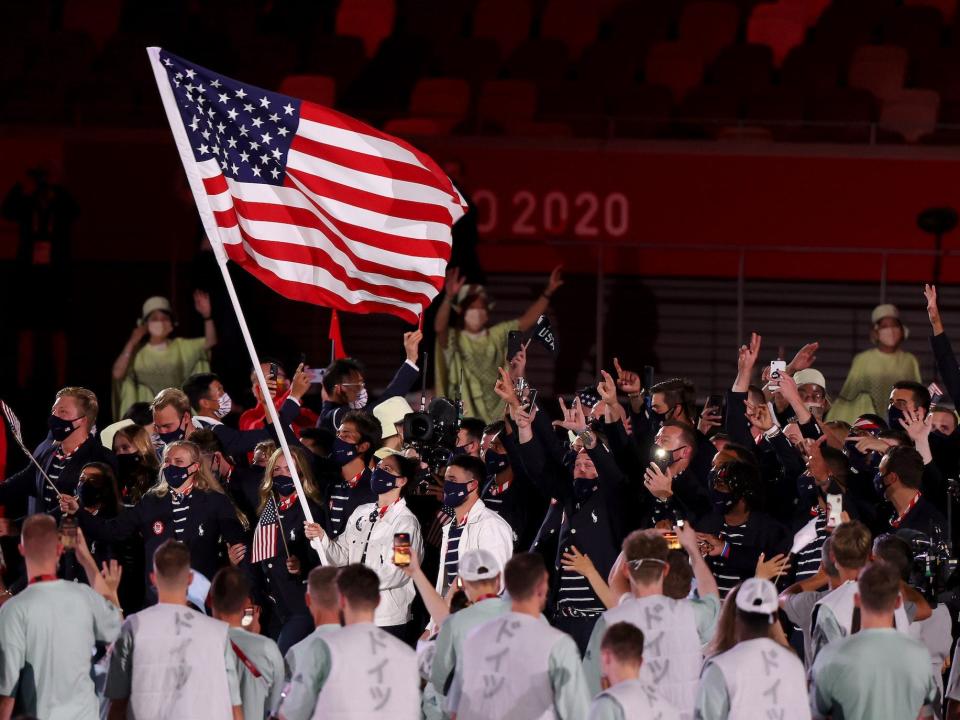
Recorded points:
(246,129)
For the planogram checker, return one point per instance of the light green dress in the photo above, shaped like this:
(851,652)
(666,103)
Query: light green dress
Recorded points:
(479,357)
(868,384)
(155,367)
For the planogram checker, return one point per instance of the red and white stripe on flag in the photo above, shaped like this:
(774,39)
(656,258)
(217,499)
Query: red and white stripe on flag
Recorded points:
(265,536)
(317,205)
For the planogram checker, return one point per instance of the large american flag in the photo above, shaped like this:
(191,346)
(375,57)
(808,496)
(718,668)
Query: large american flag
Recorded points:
(265,535)
(317,205)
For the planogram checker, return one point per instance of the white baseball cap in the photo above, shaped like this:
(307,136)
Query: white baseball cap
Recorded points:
(108,433)
(810,376)
(758,596)
(390,413)
(477,565)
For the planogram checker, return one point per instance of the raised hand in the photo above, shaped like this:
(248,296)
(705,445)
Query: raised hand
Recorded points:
(578,562)
(627,380)
(555,281)
(788,387)
(111,572)
(933,311)
(505,389)
(773,568)
(573,417)
(453,283)
(312,530)
(804,358)
(658,482)
(709,419)
(201,302)
(301,382)
(759,416)
(748,354)
(518,363)
(607,389)
(411,345)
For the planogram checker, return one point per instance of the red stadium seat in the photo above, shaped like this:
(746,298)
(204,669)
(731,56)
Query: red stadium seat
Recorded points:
(339,56)
(742,69)
(778,109)
(947,8)
(641,111)
(573,22)
(918,29)
(579,104)
(940,71)
(544,61)
(608,66)
(506,21)
(474,59)
(841,115)
(503,102)
(911,113)
(416,127)
(320,89)
(637,26)
(674,66)
(810,69)
(709,26)
(881,69)
(808,11)
(704,111)
(370,20)
(781,29)
(433,19)
(443,100)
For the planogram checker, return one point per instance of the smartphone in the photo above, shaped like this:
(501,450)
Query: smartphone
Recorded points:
(247,619)
(661,458)
(673,542)
(68,532)
(834,510)
(776,367)
(274,371)
(401,549)
(316,374)
(531,400)
(514,343)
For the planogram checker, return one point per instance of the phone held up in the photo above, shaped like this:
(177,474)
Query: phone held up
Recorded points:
(776,367)
(401,549)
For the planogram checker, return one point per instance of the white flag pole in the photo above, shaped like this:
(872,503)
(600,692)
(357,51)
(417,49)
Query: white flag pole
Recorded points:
(213,233)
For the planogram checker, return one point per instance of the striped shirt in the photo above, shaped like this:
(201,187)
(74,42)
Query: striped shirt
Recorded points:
(339,502)
(451,562)
(727,578)
(58,463)
(808,559)
(181,509)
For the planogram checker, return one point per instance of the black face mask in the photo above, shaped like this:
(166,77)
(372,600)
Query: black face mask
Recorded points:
(90,496)
(833,488)
(60,428)
(894,416)
(583,488)
(174,435)
(862,462)
(128,464)
(283,484)
(722,502)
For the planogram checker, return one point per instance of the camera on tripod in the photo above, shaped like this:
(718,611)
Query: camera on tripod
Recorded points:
(433,434)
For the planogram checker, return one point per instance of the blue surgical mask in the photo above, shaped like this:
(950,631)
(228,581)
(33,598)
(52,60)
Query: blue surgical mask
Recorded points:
(283,484)
(496,462)
(454,493)
(381,481)
(344,452)
(458,451)
(176,476)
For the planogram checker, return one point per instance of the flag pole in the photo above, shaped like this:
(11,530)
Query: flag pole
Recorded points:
(213,233)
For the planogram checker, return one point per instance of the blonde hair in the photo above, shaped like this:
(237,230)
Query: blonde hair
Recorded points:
(87,400)
(203,479)
(303,470)
(171,397)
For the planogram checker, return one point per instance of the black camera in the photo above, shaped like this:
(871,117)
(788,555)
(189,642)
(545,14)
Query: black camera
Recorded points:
(433,434)
(934,567)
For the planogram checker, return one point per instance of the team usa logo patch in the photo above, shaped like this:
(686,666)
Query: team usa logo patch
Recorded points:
(158,528)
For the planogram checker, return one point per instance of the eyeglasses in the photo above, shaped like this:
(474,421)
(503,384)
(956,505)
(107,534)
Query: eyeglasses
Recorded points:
(359,384)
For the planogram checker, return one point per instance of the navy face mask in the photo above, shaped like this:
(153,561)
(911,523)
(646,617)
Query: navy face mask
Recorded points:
(454,493)
(496,462)
(89,495)
(722,501)
(283,484)
(381,481)
(176,476)
(173,435)
(126,464)
(583,488)
(344,452)
(894,416)
(60,428)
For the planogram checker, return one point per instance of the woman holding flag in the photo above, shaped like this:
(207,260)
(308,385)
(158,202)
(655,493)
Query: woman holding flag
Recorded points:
(281,556)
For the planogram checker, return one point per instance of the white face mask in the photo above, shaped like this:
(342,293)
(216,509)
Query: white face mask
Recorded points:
(157,328)
(225,406)
(889,336)
(475,319)
(361,402)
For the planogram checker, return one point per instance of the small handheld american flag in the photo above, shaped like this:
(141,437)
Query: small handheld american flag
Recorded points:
(265,535)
